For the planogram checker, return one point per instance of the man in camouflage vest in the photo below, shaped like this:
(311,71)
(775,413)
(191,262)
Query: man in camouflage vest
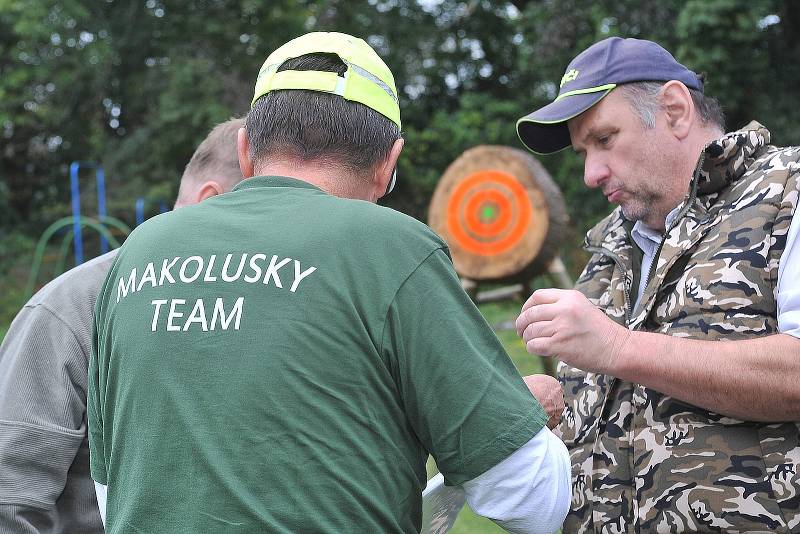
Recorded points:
(679,351)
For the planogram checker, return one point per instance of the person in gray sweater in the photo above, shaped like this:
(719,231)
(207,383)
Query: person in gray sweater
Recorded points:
(44,454)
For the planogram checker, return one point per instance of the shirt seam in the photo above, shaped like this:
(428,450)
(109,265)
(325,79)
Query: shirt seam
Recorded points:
(537,418)
(536,421)
(257,184)
(62,320)
(381,346)
(394,296)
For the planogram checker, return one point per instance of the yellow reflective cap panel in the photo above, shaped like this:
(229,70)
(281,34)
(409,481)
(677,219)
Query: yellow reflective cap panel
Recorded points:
(368,80)
(359,89)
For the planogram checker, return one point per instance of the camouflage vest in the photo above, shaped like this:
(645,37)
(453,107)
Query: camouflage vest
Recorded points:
(646,462)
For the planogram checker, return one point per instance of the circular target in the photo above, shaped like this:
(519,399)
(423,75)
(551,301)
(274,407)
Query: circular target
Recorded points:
(494,206)
(488,213)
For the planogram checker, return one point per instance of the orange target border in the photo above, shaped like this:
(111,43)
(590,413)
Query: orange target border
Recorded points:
(469,243)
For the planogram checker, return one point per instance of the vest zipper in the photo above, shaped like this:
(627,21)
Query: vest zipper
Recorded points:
(618,261)
(681,213)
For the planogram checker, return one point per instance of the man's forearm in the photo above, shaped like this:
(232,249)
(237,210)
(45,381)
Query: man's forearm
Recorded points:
(754,379)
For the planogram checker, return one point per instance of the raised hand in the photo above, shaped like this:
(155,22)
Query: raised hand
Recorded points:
(563,324)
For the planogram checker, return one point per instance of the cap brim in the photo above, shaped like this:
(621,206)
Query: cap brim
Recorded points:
(545,130)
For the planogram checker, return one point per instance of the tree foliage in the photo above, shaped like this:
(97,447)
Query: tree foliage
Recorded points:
(135,84)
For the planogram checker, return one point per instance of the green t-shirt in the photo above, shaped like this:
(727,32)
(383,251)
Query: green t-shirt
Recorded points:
(279,359)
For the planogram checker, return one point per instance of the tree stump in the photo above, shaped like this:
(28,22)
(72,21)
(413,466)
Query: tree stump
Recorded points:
(500,212)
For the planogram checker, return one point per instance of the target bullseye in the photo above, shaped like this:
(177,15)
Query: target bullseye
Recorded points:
(487,212)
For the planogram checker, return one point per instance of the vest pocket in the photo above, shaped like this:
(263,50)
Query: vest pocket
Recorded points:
(780,449)
(584,393)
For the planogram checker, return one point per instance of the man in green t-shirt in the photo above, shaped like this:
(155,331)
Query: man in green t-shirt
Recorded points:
(289,362)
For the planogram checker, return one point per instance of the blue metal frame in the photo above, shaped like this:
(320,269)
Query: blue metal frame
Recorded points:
(139,211)
(100,176)
(162,208)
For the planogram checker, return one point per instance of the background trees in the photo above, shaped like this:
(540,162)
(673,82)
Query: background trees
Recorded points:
(135,84)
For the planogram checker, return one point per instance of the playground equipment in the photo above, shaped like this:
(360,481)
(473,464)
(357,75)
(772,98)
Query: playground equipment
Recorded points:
(74,225)
(77,235)
(140,203)
(65,222)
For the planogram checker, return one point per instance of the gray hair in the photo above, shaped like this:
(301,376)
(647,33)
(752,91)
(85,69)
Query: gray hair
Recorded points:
(643,99)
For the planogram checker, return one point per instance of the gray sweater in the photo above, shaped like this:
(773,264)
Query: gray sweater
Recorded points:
(45,484)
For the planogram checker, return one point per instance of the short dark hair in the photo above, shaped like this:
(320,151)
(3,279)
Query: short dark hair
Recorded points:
(314,125)
(643,98)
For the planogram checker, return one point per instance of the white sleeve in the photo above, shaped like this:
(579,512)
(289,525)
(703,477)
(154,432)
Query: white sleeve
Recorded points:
(788,287)
(528,492)
(101,492)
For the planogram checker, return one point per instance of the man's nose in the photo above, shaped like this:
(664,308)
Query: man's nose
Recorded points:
(595,171)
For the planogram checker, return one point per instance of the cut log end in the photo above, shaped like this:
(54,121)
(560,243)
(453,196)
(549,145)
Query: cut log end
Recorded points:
(500,213)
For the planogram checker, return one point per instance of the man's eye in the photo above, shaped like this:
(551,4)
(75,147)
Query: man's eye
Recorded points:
(604,140)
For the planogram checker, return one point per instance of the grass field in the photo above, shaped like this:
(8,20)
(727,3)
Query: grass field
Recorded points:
(496,313)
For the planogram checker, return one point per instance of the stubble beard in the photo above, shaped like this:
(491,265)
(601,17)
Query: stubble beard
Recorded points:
(647,201)
(640,206)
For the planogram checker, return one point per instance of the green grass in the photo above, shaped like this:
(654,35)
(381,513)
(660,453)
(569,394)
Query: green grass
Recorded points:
(495,313)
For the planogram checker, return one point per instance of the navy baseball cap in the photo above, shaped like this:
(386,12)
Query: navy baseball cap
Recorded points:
(591,76)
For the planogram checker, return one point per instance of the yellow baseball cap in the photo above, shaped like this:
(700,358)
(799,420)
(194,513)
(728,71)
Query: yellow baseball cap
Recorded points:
(368,80)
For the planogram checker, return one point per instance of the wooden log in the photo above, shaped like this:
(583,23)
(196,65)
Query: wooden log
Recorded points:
(500,213)
(501,293)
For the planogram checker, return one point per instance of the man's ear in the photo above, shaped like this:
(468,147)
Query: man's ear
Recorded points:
(207,190)
(386,169)
(243,151)
(677,103)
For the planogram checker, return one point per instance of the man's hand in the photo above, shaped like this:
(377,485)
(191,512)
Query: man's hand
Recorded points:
(563,324)
(548,392)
